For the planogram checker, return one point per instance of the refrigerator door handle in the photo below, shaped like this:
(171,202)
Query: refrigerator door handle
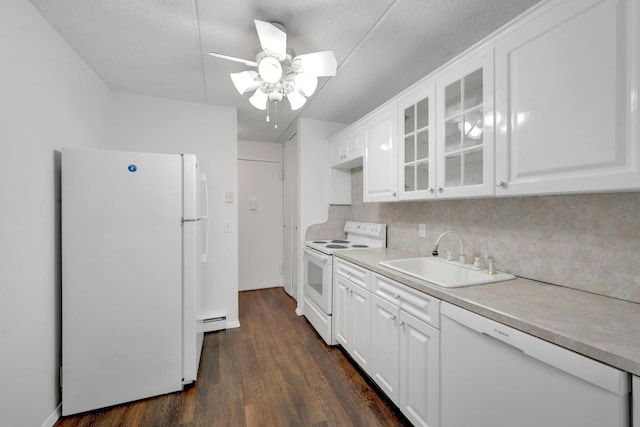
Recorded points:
(205,218)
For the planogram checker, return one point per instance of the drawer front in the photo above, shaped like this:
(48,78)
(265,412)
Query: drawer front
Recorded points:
(419,304)
(355,274)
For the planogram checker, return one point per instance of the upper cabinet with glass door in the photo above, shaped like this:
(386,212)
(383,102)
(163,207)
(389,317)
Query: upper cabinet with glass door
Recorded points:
(417,143)
(465,144)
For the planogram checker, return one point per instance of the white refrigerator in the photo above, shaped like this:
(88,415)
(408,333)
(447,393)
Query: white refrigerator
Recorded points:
(134,240)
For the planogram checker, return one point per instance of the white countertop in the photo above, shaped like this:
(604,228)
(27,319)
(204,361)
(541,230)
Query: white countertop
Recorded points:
(599,327)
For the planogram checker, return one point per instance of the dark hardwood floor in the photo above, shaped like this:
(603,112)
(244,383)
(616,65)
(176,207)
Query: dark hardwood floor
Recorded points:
(272,371)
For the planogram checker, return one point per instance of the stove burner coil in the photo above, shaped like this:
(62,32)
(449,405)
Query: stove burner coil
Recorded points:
(336,247)
(319,241)
(359,246)
(339,241)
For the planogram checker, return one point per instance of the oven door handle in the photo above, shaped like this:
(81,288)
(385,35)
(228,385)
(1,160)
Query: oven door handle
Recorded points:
(325,258)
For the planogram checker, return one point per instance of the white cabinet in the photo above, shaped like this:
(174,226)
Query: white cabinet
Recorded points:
(385,363)
(352,311)
(380,162)
(345,149)
(405,349)
(567,100)
(419,371)
(417,147)
(446,151)
(465,141)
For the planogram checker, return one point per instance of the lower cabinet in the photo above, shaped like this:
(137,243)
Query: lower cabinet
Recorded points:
(419,371)
(351,314)
(405,361)
(391,331)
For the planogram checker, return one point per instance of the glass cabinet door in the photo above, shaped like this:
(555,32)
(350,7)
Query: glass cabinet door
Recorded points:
(464,129)
(465,141)
(418,145)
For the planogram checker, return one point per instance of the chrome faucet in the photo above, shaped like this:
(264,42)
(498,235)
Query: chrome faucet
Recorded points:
(435,247)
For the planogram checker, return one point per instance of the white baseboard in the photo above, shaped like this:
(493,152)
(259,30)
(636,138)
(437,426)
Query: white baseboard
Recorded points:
(55,416)
(233,324)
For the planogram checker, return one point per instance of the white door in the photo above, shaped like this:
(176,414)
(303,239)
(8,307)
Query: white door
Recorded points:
(259,216)
(290,217)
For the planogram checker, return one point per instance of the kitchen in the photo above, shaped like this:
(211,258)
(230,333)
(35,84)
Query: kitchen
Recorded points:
(557,239)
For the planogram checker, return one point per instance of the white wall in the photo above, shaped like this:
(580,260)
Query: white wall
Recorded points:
(143,123)
(49,98)
(257,150)
(313,192)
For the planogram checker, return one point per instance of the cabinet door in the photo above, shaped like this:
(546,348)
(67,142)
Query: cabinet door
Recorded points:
(567,100)
(337,151)
(419,371)
(380,178)
(340,317)
(465,144)
(360,309)
(385,357)
(417,147)
(354,146)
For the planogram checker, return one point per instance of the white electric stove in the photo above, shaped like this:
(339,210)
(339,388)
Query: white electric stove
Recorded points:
(318,270)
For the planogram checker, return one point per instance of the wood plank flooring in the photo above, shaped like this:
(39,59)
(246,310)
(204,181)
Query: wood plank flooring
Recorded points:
(272,371)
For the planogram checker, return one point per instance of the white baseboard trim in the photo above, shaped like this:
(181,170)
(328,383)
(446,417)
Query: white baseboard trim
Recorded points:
(55,416)
(214,324)
(233,324)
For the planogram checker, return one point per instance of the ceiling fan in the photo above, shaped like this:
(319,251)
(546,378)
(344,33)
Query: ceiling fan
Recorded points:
(280,73)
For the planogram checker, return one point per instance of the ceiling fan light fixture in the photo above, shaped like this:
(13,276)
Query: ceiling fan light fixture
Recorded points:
(270,69)
(259,99)
(296,99)
(245,81)
(275,96)
(306,83)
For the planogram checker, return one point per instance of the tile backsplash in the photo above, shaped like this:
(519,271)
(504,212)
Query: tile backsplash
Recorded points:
(588,242)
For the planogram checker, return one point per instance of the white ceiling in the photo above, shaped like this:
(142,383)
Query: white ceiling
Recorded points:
(159,47)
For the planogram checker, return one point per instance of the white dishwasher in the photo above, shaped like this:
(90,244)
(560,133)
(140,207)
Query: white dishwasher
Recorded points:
(496,376)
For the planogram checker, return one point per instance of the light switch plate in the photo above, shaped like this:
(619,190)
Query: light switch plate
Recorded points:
(227,226)
(229,197)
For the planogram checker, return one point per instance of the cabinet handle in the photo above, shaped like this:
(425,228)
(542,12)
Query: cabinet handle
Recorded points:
(500,183)
(393,194)
(401,323)
(396,296)
(430,190)
(393,318)
(440,189)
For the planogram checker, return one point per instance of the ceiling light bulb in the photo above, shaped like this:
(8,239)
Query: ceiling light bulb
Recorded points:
(306,83)
(296,100)
(259,100)
(245,81)
(270,69)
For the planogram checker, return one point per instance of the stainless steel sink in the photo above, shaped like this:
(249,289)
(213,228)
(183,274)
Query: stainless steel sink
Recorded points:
(445,273)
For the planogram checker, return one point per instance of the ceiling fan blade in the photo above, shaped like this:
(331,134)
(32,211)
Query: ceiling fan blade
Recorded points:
(233,58)
(272,39)
(318,63)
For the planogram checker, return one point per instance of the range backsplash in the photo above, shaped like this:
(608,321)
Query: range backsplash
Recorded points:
(588,242)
